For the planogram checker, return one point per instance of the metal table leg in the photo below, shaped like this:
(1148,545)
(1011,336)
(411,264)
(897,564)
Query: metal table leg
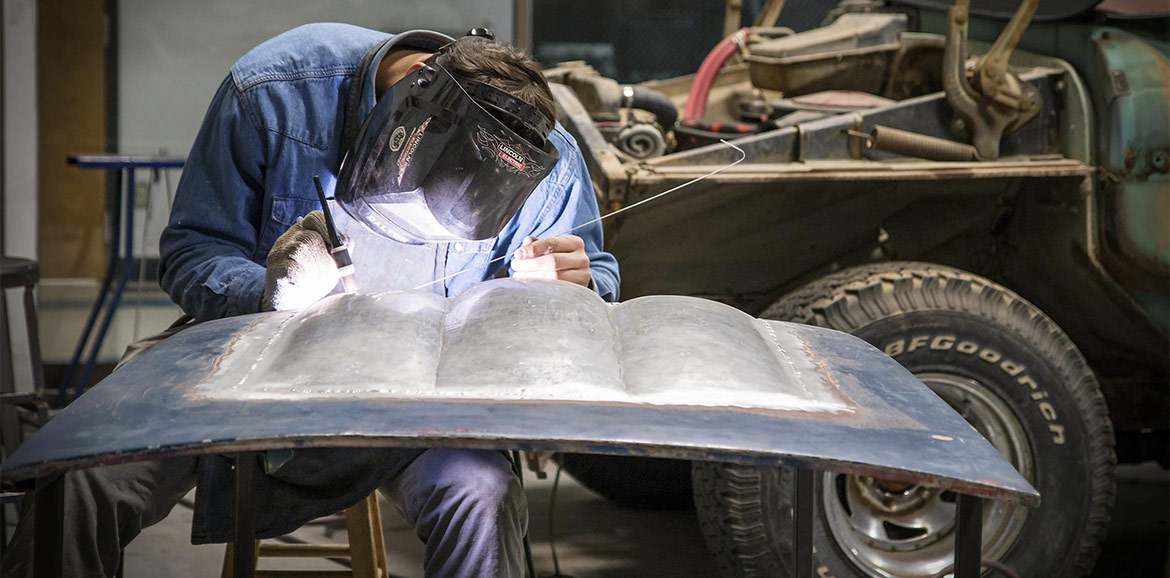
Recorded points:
(968,537)
(126,257)
(34,353)
(244,559)
(113,200)
(802,523)
(50,524)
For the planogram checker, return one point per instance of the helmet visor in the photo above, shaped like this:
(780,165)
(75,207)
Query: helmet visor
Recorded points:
(431,164)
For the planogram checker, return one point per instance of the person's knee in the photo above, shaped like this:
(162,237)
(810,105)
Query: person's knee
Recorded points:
(478,480)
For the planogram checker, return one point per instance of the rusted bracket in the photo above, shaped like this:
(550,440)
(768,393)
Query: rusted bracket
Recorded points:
(995,101)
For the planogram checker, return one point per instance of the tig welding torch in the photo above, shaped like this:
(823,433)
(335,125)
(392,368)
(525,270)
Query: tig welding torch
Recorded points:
(340,251)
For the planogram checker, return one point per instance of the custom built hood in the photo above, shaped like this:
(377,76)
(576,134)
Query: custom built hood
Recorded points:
(526,365)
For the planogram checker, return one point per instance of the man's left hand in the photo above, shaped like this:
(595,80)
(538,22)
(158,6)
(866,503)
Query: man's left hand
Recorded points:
(562,257)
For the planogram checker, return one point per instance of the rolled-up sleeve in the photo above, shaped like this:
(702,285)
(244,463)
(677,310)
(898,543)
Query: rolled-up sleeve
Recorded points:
(207,249)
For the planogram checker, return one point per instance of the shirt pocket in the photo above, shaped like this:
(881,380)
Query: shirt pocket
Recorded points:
(285,211)
(471,247)
(469,256)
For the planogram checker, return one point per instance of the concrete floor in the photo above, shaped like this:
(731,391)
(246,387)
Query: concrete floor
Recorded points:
(598,539)
(593,539)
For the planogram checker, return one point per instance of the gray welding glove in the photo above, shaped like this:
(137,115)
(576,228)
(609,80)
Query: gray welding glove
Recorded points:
(300,269)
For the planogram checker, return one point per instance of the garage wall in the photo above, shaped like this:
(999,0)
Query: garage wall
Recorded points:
(71,119)
(19,174)
(20,128)
(172,55)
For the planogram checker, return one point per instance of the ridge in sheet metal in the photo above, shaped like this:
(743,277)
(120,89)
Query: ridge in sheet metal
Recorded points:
(526,365)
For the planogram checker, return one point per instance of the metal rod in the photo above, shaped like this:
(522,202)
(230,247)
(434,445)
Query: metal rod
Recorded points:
(127,259)
(742,156)
(49,507)
(522,24)
(244,558)
(770,13)
(802,522)
(34,353)
(124,161)
(968,536)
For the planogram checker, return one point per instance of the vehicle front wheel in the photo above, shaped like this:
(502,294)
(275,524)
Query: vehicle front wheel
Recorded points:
(999,362)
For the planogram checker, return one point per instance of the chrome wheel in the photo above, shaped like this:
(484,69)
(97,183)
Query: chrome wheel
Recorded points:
(896,529)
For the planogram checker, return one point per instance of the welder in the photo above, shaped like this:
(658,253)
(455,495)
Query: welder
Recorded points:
(446,164)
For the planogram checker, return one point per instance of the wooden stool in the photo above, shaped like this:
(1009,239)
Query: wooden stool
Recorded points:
(366,548)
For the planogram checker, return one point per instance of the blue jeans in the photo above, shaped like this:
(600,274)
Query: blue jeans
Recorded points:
(466,505)
(468,508)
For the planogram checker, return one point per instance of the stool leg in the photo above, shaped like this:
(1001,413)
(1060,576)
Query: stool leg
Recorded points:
(359,524)
(968,537)
(229,553)
(804,480)
(49,526)
(244,563)
(379,536)
(34,352)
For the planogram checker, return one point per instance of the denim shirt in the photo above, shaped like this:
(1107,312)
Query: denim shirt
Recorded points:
(275,122)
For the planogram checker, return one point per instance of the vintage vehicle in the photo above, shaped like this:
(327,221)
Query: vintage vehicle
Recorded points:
(979,190)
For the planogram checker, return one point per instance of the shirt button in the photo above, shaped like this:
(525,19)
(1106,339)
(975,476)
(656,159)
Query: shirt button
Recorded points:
(458,246)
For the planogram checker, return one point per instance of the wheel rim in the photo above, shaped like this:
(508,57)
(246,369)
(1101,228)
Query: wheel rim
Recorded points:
(892,529)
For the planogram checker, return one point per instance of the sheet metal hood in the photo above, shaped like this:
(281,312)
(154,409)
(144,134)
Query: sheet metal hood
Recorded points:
(526,365)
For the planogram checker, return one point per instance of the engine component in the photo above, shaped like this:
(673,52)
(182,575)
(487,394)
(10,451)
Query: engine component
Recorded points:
(650,100)
(708,70)
(696,132)
(997,101)
(604,97)
(912,144)
(855,51)
(641,141)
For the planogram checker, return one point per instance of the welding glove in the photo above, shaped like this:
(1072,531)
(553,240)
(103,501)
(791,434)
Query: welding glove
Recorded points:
(300,269)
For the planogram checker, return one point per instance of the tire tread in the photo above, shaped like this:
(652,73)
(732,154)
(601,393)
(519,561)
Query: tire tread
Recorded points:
(851,299)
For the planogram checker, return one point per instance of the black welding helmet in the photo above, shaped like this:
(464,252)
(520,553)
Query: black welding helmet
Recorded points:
(445,158)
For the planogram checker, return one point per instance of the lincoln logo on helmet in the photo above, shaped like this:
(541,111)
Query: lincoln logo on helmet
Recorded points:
(512,157)
(507,155)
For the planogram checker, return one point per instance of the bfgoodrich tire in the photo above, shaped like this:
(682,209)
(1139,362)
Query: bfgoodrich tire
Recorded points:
(999,362)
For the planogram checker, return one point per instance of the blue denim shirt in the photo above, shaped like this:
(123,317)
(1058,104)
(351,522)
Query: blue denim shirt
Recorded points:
(275,122)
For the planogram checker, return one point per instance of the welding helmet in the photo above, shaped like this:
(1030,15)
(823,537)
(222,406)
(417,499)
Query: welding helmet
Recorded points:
(444,158)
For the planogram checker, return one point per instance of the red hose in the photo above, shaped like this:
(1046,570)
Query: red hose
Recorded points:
(705,77)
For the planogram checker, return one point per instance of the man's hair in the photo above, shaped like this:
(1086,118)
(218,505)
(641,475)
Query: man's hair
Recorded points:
(503,66)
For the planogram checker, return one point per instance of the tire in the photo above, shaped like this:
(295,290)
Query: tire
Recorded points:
(995,358)
(634,482)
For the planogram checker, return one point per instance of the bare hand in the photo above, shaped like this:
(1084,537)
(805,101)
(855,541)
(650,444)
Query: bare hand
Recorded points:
(562,257)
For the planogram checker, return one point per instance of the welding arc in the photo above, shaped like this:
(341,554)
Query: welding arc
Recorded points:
(742,156)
